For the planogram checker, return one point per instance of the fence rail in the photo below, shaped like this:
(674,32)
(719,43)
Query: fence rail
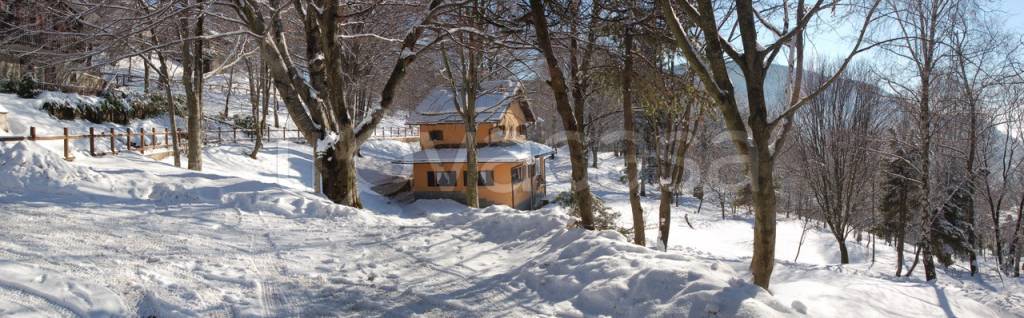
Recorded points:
(150,139)
(396,132)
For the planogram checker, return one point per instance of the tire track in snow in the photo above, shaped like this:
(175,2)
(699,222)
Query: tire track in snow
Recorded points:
(273,302)
(29,303)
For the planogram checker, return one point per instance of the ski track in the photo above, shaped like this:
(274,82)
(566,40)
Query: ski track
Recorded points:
(29,303)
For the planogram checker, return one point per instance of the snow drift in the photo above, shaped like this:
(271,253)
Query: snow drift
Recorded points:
(601,273)
(24,166)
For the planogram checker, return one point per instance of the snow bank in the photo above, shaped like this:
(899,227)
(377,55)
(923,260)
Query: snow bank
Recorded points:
(41,290)
(600,273)
(387,148)
(25,166)
(66,98)
(499,223)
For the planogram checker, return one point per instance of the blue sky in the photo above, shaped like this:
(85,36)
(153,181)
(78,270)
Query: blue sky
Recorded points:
(835,39)
(1014,10)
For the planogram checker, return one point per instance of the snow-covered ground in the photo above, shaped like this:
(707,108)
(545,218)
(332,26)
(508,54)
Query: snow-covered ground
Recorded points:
(130,236)
(816,278)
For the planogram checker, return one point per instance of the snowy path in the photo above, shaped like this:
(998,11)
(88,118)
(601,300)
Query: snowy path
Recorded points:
(247,239)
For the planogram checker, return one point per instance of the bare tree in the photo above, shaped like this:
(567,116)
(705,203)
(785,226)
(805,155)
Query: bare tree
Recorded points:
(629,139)
(674,106)
(190,33)
(834,143)
(316,101)
(571,112)
(482,67)
(982,60)
(259,95)
(708,50)
(922,26)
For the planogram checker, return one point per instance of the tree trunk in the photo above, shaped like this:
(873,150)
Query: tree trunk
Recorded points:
(338,175)
(260,117)
(472,168)
(926,212)
(227,95)
(192,77)
(277,123)
(763,190)
(145,73)
(577,148)
(172,109)
(899,256)
(629,136)
(844,254)
(721,205)
(917,254)
(664,217)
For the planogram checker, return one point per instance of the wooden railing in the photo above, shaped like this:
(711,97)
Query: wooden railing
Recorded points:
(150,139)
(396,132)
(143,139)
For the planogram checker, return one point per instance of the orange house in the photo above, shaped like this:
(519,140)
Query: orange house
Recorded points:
(511,168)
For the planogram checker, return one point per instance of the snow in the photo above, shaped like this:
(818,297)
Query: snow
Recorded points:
(184,243)
(30,290)
(491,104)
(510,152)
(130,236)
(27,167)
(815,282)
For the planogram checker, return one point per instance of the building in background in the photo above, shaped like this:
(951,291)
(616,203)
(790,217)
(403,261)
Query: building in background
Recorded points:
(511,168)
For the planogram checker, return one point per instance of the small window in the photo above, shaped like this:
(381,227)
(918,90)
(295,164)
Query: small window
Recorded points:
(517,174)
(441,178)
(484,178)
(436,135)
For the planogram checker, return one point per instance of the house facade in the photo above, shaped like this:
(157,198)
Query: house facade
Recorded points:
(511,168)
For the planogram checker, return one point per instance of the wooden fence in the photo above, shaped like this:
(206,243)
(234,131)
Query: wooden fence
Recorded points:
(145,139)
(396,132)
(152,139)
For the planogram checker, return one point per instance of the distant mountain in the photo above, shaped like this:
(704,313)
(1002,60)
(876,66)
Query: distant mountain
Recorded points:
(774,86)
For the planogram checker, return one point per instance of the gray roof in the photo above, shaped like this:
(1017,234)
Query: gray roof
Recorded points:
(491,104)
(509,152)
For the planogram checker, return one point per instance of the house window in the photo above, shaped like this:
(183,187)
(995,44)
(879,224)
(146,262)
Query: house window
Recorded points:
(484,178)
(436,135)
(517,174)
(441,178)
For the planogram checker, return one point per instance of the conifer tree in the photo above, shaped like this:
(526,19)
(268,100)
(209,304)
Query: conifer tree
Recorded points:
(898,204)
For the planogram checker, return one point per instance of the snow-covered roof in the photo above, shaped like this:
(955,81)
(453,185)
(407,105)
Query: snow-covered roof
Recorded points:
(491,104)
(508,152)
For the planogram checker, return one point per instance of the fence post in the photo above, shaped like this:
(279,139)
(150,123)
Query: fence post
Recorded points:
(32,133)
(155,141)
(113,141)
(142,140)
(67,145)
(180,144)
(166,132)
(128,139)
(92,142)
(234,134)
